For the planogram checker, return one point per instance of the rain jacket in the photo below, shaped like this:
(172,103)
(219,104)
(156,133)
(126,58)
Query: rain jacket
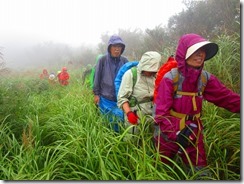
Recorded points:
(106,71)
(144,86)
(44,74)
(64,77)
(215,92)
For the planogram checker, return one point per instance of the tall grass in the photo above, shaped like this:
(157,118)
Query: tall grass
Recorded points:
(52,132)
(226,65)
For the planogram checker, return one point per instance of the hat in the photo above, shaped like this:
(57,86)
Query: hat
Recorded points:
(150,61)
(210,48)
(64,69)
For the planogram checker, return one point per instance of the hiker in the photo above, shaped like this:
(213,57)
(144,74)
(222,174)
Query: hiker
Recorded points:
(179,127)
(44,74)
(136,100)
(63,77)
(51,78)
(105,72)
(86,75)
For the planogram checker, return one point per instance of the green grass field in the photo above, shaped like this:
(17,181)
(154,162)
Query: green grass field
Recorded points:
(51,132)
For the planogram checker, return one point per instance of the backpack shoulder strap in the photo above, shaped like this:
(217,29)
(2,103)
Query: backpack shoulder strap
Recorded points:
(102,59)
(134,75)
(175,75)
(202,82)
(177,80)
(204,79)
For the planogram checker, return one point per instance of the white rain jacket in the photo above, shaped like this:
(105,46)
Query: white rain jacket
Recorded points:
(144,86)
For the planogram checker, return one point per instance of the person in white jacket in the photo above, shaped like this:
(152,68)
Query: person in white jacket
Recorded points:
(137,101)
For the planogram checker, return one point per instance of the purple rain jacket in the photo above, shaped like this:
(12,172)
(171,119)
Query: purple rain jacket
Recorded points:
(107,69)
(215,92)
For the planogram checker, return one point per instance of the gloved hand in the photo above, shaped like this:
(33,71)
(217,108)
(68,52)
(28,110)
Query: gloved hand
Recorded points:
(186,135)
(132,117)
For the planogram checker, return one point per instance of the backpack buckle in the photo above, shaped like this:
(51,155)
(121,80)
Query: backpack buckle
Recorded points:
(199,93)
(190,117)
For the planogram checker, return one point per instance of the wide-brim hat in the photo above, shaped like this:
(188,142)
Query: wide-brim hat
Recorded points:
(210,48)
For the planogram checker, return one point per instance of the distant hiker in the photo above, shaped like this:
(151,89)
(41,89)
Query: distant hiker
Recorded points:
(86,75)
(44,74)
(137,100)
(51,78)
(64,77)
(179,126)
(105,73)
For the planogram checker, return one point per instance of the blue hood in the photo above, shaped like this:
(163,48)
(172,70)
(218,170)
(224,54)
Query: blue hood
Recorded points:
(115,39)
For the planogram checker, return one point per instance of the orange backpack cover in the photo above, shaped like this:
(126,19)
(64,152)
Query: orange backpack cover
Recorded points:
(170,63)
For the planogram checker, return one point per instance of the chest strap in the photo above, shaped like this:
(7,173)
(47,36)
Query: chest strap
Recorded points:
(184,117)
(193,97)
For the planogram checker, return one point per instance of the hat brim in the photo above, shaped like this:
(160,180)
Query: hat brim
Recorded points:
(210,48)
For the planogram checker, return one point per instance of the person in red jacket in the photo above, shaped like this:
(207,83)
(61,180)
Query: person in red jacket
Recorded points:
(44,74)
(63,77)
(178,127)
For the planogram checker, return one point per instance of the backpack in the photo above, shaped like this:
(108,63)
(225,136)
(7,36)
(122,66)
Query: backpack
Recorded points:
(129,65)
(92,74)
(166,67)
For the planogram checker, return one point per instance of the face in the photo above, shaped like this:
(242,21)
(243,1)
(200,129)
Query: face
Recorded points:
(116,50)
(197,58)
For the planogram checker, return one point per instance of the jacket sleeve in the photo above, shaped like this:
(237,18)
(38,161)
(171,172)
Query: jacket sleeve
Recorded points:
(97,78)
(164,102)
(216,93)
(164,99)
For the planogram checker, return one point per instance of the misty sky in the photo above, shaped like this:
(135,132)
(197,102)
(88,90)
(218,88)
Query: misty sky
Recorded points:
(78,21)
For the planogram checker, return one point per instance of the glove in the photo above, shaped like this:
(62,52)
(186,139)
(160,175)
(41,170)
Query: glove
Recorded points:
(186,135)
(132,117)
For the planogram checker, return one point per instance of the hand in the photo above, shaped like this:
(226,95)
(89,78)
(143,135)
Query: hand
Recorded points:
(96,99)
(132,117)
(186,135)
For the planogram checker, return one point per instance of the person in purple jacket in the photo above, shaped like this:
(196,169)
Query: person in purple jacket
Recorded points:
(105,72)
(178,125)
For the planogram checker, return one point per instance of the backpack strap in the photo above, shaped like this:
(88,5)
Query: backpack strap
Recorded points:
(175,77)
(133,100)
(204,79)
(178,80)
(134,75)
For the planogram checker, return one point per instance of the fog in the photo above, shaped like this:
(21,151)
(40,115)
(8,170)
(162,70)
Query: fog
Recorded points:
(40,33)
(29,53)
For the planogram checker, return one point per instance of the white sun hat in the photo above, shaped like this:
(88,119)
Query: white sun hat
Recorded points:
(210,48)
